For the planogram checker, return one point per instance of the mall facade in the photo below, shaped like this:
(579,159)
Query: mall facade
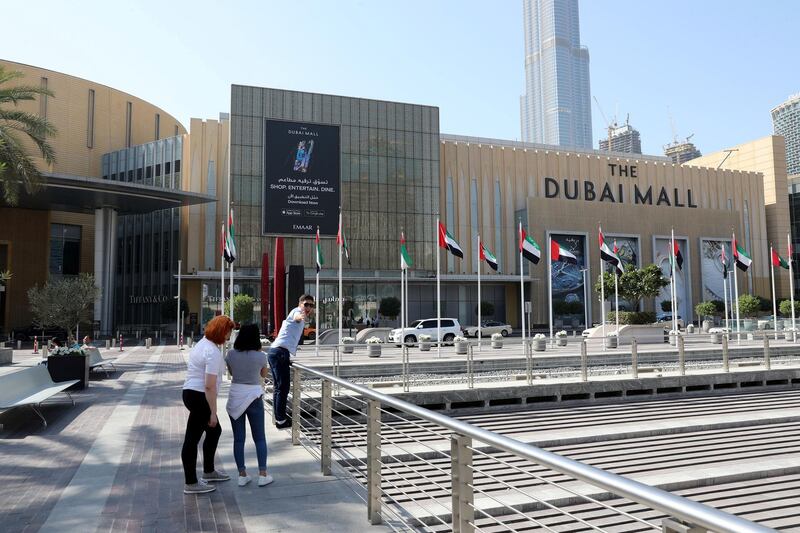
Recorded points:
(133,192)
(395,171)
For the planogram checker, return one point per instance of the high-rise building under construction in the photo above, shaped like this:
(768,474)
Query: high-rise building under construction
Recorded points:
(623,139)
(681,152)
(786,122)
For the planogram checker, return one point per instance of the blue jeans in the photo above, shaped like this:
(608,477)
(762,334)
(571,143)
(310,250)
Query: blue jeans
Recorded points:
(279,365)
(255,414)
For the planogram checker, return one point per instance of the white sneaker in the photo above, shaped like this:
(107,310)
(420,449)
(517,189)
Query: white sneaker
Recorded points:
(244,480)
(265,480)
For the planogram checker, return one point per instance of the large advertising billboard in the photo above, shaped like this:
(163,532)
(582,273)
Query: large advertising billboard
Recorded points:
(301,178)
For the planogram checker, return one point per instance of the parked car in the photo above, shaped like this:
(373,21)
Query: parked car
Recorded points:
(488,327)
(450,330)
(667,317)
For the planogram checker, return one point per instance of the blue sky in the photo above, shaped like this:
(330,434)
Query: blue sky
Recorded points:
(717,66)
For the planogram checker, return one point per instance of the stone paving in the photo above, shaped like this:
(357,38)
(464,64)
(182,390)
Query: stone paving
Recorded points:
(112,463)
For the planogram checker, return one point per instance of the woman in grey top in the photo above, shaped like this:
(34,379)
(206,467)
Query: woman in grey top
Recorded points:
(248,367)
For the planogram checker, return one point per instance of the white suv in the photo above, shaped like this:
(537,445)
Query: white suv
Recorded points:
(450,330)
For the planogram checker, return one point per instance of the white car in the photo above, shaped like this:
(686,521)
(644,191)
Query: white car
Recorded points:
(488,328)
(450,330)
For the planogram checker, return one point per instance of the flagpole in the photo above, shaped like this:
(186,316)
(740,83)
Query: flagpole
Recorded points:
(736,290)
(521,287)
(550,282)
(341,245)
(231,294)
(222,274)
(316,300)
(791,281)
(674,305)
(602,295)
(402,302)
(480,244)
(774,304)
(616,302)
(725,290)
(438,291)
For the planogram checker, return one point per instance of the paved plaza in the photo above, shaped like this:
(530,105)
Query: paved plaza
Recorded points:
(112,463)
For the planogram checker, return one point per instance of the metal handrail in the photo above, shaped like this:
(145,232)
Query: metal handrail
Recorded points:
(670,504)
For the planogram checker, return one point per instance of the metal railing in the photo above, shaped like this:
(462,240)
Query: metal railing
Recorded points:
(543,358)
(462,478)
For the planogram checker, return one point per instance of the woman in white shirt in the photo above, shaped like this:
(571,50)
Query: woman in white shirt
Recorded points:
(248,367)
(203,376)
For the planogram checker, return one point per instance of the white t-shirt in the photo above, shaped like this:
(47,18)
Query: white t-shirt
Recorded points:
(205,358)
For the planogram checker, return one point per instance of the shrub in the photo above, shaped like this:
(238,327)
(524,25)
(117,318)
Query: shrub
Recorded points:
(374,340)
(497,336)
(561,333)
(459,338)
(785,308)
(487,309)
(632,317)
(389,307)
(719,305)
(749,305)
(666,305)
(424,338)
(705,309)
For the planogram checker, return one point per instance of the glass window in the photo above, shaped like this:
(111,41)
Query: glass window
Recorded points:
(473,214)
(450,218)
(498,222)
(65,249)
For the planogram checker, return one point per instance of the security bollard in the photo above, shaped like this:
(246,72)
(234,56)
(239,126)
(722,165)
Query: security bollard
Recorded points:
(45,353)
(725,362)
(767,363)
(113,343)
(634,359)
(35,344)
(19,345)
(681,356)
(120,342)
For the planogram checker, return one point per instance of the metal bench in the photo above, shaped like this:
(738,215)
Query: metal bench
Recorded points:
(31,386)
(97,362)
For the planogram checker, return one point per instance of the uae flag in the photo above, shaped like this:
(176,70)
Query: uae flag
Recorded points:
(779,261)
(557,253)
(342,241)
(741,258)
(528,247)
(724,264)
(608,255)
(230,244)
(318,247)
(447,242)
(488,256)
(405,259)
(620,268)
(676,253)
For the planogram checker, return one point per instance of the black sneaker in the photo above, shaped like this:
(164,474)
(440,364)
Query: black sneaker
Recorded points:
(285,424)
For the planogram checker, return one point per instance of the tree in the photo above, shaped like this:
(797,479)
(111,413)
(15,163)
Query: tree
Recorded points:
(749,305)
(242,308)
(666,305)
(169,310)
(15,127)
(635,284)
(706,309)
(487,309)
(389,307)
(64,302)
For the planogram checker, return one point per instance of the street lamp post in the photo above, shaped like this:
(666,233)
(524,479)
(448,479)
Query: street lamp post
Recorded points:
(178,319)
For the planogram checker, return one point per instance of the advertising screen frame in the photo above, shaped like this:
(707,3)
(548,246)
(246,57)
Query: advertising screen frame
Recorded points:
(329,225)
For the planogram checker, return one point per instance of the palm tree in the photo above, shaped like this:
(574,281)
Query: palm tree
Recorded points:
(16,165)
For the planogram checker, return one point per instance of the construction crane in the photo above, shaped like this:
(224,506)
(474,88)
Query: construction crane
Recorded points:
(609,126)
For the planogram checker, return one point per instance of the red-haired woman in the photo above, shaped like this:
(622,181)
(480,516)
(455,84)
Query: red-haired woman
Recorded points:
(203,376)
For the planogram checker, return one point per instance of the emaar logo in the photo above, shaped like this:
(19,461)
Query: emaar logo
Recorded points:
(306,227)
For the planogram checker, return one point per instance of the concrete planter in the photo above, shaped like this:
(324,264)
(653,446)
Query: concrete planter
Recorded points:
(347,347)
(6,355)
(716,338)
(748,324)
(673,340)
(779,323)
(788,335)
(497,344)
(707,325)
(561,341)
(374,350)
(610,342)
(424,346)
(539,345)
(69,367)
(461,348)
